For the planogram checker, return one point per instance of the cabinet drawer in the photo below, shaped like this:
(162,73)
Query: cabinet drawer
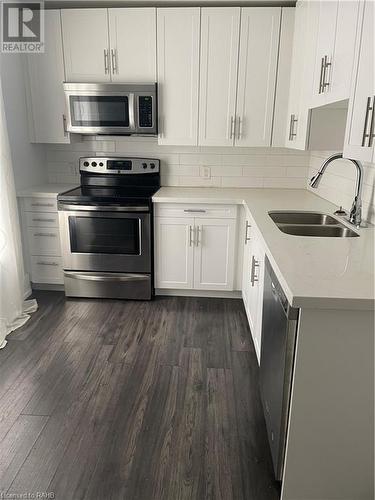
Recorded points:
(40,204)
(46,270)
(44,241)
(36,219)
(195,210)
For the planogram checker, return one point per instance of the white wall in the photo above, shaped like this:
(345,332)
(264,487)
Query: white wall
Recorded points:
(338,183)
(28,159)
(183,166)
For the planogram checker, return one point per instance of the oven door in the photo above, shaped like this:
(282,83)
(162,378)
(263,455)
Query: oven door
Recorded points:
(100,112)
(98,239)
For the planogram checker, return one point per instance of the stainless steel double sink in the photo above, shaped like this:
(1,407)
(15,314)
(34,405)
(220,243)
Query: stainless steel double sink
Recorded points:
(311,224)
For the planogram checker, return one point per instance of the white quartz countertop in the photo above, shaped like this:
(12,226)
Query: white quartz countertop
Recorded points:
(45,190)
(315,272)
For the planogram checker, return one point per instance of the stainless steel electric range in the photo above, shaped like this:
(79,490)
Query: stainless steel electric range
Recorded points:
(106,229)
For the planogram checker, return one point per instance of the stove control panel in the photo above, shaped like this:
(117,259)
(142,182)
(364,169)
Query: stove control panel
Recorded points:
(118,165)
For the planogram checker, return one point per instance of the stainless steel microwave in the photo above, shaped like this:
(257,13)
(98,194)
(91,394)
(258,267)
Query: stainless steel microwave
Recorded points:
(111,108)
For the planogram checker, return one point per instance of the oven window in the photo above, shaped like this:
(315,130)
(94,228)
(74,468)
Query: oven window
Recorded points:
(104,235)
(99,111)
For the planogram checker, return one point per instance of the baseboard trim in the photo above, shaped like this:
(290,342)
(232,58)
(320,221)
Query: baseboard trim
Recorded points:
(217,294)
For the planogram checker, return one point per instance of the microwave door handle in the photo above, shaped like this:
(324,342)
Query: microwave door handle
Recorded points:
(132,111)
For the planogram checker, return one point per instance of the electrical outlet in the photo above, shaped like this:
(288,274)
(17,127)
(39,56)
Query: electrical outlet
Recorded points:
(206,172)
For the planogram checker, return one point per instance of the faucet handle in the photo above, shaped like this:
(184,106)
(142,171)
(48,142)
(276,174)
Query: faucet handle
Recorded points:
(340,212)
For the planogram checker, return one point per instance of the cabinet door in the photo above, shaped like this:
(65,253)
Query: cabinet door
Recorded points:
(358,143)
(338,80)
(246,264)
(174,252)
(214,254)
(86,45)
(296,79)
(44,79)
(284,65)
(132,35)
(304,44)
(252,284)
(259,42)
(218,75)
(324,48)
(178,75)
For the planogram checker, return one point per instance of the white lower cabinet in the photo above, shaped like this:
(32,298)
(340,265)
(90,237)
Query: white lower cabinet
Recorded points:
(194,252)
(214,254)
(41,240)
(252,281)
(173,252)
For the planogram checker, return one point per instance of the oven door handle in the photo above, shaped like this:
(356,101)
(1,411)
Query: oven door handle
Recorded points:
(103,208)
(106,277)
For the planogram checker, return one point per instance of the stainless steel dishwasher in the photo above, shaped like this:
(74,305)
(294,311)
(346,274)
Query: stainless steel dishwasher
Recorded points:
(279,327)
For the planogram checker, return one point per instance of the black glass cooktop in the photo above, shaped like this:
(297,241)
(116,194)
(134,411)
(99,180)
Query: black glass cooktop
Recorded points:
(113,195)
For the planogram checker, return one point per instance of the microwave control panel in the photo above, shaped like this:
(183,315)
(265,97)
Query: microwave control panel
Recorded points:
(145,111)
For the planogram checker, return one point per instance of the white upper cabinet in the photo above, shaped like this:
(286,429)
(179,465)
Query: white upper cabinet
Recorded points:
(259,42)
(360,138)
(86,45)
(283,77)
(304,46)
(218,75)
(118,45)
(178,35)
(132,34)
(334,51)
(44,79)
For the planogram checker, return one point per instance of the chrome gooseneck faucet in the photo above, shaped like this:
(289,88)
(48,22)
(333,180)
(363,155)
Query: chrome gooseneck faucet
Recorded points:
(355,216)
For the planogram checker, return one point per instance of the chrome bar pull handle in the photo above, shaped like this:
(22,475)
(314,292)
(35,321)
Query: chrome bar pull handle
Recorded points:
(38,204)
(372,124)
(321,76)
(365,135)
(239,128)
(64,126)
(191,241)
(231,132)
(247,237)
(254,264)
(290,128)
(106,65)
(293,121)
(198,232)
(114,60)
(326,66)
(43,263)
(42,220)
(49,235)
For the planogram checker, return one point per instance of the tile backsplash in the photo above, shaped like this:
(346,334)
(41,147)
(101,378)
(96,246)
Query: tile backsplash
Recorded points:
(190,166)
(338,183)
(223,167)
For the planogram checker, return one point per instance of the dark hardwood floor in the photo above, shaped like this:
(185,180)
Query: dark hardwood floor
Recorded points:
(133,401)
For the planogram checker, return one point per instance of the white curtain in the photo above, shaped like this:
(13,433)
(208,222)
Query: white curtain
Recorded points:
(14,310)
